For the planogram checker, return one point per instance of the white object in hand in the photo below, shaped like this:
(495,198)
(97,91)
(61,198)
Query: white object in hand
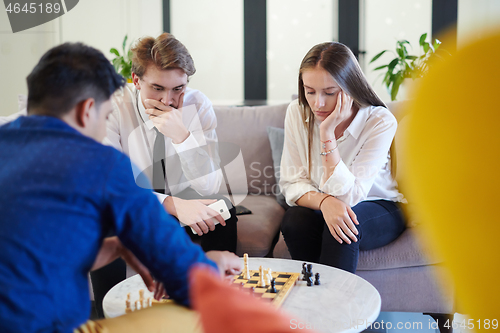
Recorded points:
(221,208)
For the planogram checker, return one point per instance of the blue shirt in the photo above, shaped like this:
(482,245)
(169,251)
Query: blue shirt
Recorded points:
(60,193)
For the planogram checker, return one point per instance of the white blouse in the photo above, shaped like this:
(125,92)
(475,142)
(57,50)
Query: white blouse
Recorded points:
(364,170)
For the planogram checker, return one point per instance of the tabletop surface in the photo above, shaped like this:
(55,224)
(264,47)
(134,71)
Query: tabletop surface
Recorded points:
(343,302)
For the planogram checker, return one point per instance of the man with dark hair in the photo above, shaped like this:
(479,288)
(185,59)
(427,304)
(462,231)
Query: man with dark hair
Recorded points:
(63,191)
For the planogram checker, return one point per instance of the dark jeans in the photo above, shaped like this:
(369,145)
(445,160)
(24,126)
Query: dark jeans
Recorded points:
(309,239)
(105,278)
(222,239)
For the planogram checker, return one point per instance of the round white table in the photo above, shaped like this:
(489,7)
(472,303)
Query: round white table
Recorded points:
(343,302)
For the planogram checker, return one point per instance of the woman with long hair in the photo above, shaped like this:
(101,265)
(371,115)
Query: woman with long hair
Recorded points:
(335,169)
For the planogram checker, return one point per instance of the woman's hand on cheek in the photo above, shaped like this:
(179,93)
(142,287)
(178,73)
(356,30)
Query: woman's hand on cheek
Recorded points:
(341,112)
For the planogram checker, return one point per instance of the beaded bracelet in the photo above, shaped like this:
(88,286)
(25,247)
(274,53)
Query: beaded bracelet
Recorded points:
(324,143)
(328,152)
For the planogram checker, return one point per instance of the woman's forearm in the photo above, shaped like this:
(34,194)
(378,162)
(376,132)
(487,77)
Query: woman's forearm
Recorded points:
(312,200)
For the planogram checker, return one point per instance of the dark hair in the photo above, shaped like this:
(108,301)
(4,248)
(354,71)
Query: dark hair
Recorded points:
(67,75)
(165,52)
(338,60)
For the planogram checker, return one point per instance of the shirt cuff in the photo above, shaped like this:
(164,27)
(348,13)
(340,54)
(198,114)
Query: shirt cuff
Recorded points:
(160,196)
(295,191)
(340,182)
(189,143)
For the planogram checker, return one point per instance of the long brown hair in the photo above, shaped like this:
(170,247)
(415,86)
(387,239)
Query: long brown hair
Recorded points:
(338,60)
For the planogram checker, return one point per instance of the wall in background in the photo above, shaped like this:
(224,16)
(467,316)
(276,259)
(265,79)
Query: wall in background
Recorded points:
(382,23)
(293,27)
(18,55)
(476,19)
(101,24)
(104,24)
(212,31)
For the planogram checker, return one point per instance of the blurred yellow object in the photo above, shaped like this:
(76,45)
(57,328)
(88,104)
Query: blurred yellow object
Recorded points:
(452,156)
(161,318)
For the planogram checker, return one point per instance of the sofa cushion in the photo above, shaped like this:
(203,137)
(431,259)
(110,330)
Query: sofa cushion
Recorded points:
(246,127)
(412,289)
(256,231)
(405,251)
(281,250)
(277,139)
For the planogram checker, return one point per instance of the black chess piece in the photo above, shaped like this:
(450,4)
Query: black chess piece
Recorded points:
(316,279)
(309,280)
(304,270)
(309,275)
(272,289)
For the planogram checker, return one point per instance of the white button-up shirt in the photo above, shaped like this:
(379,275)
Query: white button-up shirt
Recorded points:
(364,170)
(192,163)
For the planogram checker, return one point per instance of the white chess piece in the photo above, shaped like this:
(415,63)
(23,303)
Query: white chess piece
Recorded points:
(262,282)
(128,308)
(246,271)
(266,277)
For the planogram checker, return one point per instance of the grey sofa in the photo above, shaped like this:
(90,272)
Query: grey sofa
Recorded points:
(404,276)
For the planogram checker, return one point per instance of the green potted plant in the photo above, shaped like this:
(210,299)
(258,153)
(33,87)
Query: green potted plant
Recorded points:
(123,63)
(406,66)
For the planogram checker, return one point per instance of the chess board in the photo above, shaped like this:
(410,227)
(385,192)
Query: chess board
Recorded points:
(284,284)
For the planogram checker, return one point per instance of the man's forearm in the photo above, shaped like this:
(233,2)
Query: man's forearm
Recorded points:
(169,205)
(108,252)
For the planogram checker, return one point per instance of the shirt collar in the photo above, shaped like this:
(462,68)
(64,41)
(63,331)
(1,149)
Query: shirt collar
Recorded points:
(142,112)
(43,122)
(358,123)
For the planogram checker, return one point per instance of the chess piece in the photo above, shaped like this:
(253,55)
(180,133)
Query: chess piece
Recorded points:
(149,302)
(270,274)
(128,309)
(267,280)
(309,275)
(316,279)
(273,286)
(137,305)
(309,280)
(304,270)
(246,271)
(262,282)
(141,298)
